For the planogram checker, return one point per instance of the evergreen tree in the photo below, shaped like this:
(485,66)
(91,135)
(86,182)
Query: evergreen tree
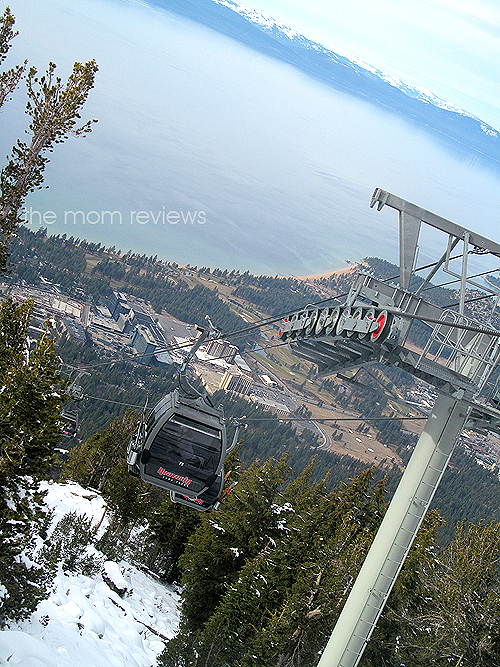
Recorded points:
(9,79)
(224,541)
(170,527)
(54,109)
(287,595)
(30,396)
(127,498)
(68,547)
(457,618)
(408,597)
(93,463)
(31,393)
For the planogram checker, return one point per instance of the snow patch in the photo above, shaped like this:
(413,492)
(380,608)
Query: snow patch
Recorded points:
(86,624)
(217,527)
(258,17)
(113,573)
(279,509)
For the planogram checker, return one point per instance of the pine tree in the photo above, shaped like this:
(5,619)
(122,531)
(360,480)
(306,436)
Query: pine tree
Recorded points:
(94,462)
(409,596)
(285,598)
(31,394)
(458,619)
(127,499)
(54,109)
(9,79)
(68,546)
(223,541)
(317,572)
(170,527)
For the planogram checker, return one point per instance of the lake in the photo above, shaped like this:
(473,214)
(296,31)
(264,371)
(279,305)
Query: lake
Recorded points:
(209,153)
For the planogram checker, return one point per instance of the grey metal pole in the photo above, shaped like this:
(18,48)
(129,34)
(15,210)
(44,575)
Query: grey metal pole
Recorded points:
(396,534)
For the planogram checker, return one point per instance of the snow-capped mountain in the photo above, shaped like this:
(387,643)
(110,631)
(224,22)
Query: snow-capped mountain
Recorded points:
(351,75)
(280,30)
(261,19)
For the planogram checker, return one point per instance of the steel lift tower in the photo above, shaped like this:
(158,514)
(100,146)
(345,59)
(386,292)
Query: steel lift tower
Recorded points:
(458,360)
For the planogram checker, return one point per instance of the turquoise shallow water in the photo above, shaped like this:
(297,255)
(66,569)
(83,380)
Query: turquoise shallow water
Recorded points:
(209,153)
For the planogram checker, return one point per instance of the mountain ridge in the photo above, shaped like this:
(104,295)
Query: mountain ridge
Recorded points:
(428,112)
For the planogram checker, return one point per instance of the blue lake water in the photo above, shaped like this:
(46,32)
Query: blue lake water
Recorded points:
(209,153)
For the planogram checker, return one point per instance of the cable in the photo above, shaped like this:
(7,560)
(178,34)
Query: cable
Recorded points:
(338,296)
(272,320)
(328,419)
(108,400)
(477,298)
(289,419)
(455,325)
(465,327)
(138,356)
(457,280)
(233,334)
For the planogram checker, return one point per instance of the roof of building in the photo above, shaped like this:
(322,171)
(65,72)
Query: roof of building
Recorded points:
(75,329)
(267,402)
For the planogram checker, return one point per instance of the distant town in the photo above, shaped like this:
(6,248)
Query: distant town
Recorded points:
(128,326)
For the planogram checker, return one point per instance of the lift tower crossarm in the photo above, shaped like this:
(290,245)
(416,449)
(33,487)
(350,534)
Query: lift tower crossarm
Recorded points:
(383,198)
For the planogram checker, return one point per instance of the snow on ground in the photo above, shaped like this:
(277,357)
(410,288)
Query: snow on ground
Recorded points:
(86,624)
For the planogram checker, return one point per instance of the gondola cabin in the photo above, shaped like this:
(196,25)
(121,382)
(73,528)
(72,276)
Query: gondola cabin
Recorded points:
(181,447)
(205,501)
(69,426)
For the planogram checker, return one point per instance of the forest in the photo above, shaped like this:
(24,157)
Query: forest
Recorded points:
(265,576)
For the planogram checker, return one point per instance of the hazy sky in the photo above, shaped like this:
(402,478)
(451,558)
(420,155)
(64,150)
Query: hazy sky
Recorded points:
(450,47)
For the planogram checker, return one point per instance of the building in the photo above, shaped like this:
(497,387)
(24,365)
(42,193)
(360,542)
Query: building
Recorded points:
(280,408)
(144,344)
(238,382)
(113,341)
(108,333)
(221,349)
(138,318)
(117,304)
(73,330)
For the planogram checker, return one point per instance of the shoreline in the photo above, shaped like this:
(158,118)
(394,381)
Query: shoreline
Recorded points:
(336,272)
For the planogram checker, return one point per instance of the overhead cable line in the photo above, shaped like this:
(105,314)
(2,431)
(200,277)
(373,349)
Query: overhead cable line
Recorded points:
(457,280)
(289,419)
(264,322)
(454,325)
(108,400)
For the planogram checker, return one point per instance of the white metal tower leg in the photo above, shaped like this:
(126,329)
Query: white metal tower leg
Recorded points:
(396,534)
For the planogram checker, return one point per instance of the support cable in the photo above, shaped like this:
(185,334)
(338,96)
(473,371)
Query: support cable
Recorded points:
(267,419)
(264,322)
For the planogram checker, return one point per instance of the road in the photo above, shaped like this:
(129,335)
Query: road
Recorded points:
(327,440)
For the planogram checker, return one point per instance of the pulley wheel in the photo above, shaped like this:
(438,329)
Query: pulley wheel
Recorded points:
(345,313)
(320,324)
(313,318)
(331,320)
(383,326)
(357,315)
(368,316)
